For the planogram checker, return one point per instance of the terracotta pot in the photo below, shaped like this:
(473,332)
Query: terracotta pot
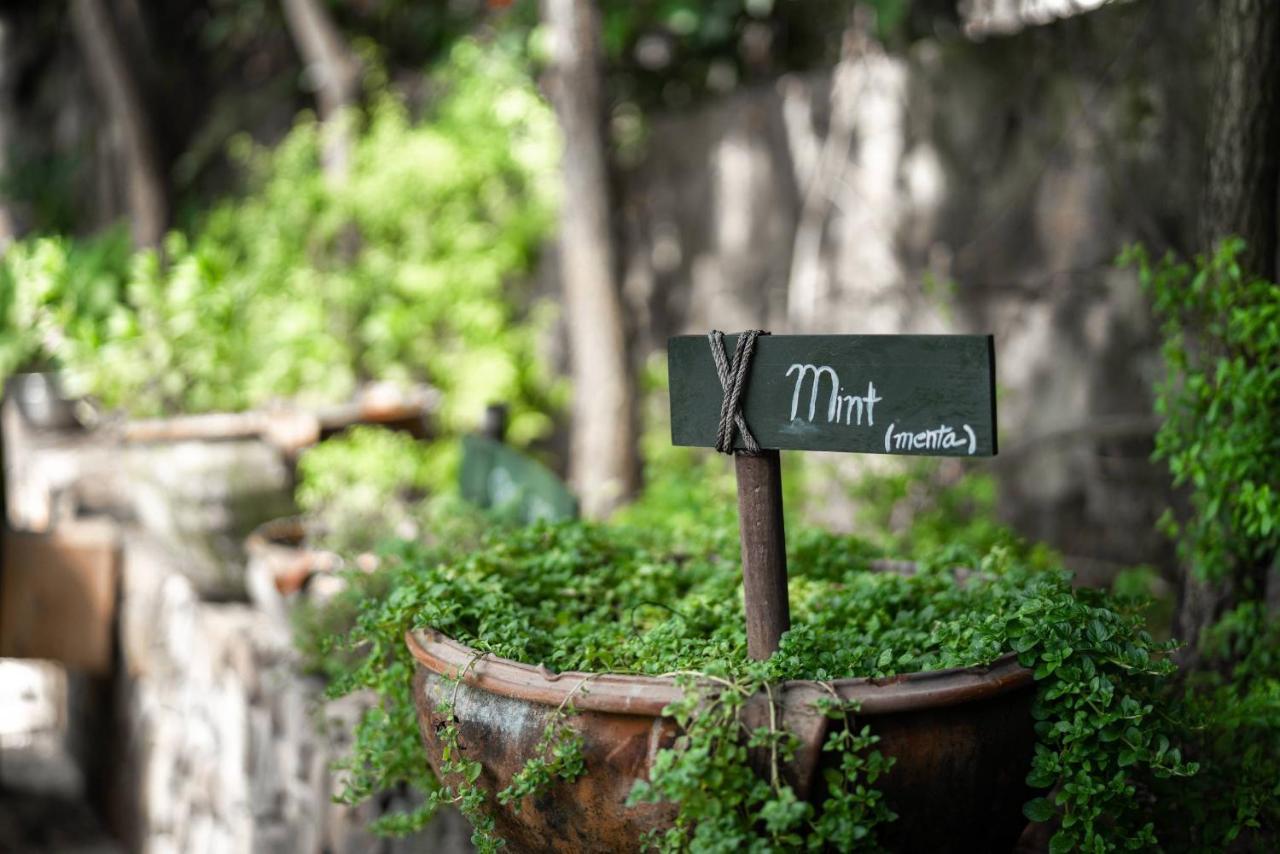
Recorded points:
(280,565)
(962,739)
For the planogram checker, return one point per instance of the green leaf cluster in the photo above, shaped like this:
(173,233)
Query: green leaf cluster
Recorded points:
(1100,722)
(54,290)
(1220,401)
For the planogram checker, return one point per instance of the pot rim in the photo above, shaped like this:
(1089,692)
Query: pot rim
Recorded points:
(283,532)
(621,693)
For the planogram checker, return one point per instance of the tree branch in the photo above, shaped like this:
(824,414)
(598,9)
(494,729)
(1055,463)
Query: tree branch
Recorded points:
(144,183)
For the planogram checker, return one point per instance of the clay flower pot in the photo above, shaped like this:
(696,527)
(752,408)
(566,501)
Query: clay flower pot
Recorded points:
(962,739)
(281,565)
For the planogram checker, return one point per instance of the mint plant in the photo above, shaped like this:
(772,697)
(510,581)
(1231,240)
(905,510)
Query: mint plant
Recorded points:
(610,598)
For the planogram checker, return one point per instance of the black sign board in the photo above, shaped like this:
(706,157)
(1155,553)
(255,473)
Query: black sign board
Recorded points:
(931,395)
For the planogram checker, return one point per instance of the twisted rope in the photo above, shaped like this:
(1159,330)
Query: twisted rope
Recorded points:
(733,380)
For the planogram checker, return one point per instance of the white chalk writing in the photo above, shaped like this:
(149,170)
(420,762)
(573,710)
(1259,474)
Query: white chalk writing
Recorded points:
(849,406)
(940,438)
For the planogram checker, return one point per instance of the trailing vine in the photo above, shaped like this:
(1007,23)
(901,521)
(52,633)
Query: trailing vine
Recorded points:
(596,598)
(710,768)
(1220,399)
(454,763)
(558,756)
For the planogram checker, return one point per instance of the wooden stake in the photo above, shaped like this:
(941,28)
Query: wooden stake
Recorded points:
(764,551)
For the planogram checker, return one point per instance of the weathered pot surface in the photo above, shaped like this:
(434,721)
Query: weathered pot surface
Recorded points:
(962,740)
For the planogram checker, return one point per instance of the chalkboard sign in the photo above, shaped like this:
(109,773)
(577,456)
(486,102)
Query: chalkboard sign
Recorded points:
(499,478)
(924,395)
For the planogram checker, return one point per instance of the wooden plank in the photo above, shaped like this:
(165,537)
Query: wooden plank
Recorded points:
(923,395)
(58,595)
(764,551)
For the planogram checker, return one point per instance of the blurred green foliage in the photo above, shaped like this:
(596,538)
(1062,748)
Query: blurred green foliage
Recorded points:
(658,53)
(1146,585)
(1233,706)
(369,484)
(54,291)
(921,507)
(408,270)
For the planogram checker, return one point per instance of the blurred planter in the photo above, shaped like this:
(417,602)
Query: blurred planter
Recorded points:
(199,484)
(962,740)
(285,573)
(205,482)
(291,430)
(281,566)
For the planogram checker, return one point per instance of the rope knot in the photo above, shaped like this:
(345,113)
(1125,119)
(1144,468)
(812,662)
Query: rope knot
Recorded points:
(733,381)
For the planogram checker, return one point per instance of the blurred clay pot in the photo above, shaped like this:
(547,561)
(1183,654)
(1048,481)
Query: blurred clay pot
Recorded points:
(962,739)
(281,565)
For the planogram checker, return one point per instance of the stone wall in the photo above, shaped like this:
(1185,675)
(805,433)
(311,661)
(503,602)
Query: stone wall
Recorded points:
(207,737)
(226,746)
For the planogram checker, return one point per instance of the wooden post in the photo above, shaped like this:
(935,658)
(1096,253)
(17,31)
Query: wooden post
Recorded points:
(900,394)
(494,425)
(764,551)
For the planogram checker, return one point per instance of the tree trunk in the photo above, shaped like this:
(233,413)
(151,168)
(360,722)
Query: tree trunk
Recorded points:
(8,121)
(1243,175)
(603,455)
(1242,197)
(806,285)
(333,72)
(123,103)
